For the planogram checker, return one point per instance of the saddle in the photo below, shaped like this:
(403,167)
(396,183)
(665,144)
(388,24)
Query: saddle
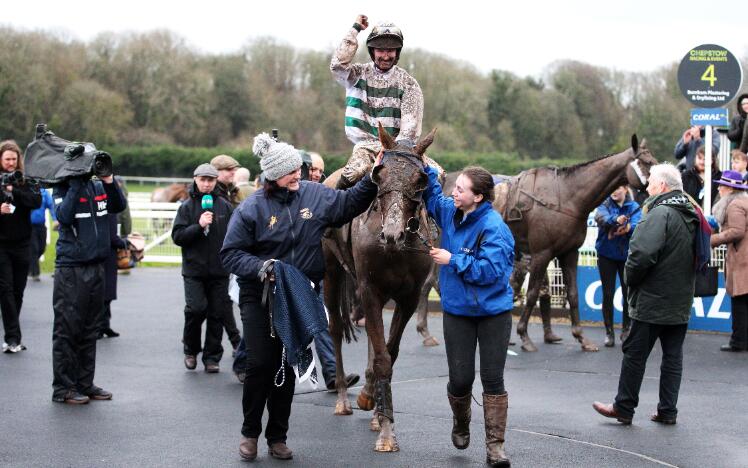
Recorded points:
(516,195)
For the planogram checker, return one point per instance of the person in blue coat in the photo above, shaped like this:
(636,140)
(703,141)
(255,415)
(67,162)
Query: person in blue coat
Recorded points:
(39,233)
(477,256)
(616,219)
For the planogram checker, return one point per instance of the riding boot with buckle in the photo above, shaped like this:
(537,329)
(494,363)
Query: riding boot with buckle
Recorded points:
(461,413)
(545,314)
(494,413)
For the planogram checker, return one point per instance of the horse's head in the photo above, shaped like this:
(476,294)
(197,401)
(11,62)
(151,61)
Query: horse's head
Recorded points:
(637,172)
(401,181)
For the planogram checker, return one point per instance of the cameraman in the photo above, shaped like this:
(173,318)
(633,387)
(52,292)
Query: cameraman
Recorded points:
(82,206)
(18,199)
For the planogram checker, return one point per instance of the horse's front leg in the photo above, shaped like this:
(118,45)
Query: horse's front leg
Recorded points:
(382,369)
(569,269)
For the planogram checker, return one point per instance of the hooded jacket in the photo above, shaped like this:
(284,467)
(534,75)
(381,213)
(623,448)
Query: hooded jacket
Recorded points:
(660,268)
(615,248)
(475,283)
(200,250)
(288,226)
(82,209)
(737,124)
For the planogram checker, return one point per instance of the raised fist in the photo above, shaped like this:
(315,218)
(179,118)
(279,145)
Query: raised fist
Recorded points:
(363,20)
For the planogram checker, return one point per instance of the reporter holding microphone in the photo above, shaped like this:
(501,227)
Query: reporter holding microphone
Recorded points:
(199,228)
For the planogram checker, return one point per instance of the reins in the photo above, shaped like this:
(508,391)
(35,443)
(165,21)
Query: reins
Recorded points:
(401,159)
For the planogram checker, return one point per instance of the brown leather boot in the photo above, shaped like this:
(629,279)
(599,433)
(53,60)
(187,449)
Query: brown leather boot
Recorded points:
(248,448)
(460,420)
(494,414)
(280,451)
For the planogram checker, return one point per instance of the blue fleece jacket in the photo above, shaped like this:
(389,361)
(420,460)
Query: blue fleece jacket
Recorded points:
(615,248)
(476,280)
(37,215)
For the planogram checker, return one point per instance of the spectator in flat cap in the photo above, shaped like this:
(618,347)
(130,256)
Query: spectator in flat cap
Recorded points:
(227,167)
(199,228)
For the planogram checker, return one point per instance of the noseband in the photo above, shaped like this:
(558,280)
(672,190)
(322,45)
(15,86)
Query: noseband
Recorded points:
(399,161)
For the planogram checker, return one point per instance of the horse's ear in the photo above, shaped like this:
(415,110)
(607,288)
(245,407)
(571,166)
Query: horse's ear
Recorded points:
(425,142)
(635,143)
(643,144)
(385,138)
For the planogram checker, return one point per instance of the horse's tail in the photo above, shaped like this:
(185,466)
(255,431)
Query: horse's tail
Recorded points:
(348,303)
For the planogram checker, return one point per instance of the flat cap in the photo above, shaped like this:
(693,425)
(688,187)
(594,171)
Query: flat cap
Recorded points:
(206,170)
(224,161)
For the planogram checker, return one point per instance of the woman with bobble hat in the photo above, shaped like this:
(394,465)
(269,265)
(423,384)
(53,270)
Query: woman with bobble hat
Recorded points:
(284,220)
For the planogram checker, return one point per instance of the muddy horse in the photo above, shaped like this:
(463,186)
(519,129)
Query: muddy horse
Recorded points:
(546,208)
(384,250)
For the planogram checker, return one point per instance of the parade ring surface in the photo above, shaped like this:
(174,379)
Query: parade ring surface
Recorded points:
(163,415)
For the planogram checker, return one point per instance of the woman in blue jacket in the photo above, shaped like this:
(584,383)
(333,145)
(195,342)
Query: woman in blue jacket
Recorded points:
(616,219)
(477,255)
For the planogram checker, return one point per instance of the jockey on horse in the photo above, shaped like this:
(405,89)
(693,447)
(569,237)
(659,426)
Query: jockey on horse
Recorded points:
(378,91)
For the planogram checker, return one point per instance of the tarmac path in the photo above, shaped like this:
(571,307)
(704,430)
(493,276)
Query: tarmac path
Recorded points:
(164,415)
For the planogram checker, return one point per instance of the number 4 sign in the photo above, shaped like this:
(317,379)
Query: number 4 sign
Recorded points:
(709,76)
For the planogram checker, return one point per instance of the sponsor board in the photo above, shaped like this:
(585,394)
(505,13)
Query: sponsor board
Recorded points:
(707,313)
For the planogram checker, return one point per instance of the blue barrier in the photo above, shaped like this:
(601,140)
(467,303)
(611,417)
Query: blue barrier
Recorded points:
(707,313)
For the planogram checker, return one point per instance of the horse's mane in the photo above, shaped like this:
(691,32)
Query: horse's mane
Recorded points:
(571,169)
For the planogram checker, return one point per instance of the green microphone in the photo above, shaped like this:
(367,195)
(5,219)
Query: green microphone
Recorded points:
(207,204)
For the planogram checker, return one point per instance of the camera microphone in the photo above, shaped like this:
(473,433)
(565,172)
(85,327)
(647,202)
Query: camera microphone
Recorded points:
(207,205)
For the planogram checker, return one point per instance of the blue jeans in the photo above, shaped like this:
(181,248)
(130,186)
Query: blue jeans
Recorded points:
(322,343)
(326,353)
(240,358)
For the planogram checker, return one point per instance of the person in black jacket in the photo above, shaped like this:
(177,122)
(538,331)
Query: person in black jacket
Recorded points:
(82,206)
(110,276)
(693,179)
(18,199)
(200,233)
(285,221)
(736,134)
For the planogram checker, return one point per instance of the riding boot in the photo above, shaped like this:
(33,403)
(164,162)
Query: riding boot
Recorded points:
(460,420)
(610,337)
(494,413)
(545,314)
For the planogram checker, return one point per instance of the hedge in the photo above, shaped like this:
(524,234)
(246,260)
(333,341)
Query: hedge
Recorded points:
(180,161)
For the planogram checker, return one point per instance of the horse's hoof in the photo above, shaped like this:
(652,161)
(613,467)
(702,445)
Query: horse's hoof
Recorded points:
(374,424)
(431,341)
(343,408)
(551,338)
(365,401)
(590,347)
(529,347)
(387,445)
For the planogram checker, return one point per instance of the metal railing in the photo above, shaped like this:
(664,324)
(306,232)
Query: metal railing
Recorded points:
(156,180)
(154,221)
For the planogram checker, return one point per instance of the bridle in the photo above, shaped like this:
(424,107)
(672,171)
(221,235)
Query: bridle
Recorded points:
(399,160)
(643,179)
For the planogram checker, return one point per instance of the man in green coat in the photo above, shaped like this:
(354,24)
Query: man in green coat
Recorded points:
(660,277)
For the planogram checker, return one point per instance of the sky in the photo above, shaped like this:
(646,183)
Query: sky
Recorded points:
(522,37)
